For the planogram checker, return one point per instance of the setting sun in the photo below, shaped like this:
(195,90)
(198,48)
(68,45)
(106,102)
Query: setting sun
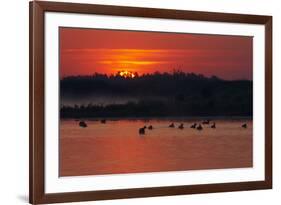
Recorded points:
(126,74)
(86,51)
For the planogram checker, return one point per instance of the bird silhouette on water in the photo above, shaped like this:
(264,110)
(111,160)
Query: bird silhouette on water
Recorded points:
(150,127)
(142,130)
(181,126)
(199,127)
(193,126)
(172,125)
(244,125)
(82,124)
(213,125)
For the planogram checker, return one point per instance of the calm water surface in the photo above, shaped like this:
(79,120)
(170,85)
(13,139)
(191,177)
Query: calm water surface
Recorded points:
(117,147)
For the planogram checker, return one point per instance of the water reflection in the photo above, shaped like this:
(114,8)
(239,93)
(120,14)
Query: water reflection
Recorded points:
(117,147)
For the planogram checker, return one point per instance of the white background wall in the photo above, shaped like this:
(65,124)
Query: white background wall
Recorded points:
(14,100)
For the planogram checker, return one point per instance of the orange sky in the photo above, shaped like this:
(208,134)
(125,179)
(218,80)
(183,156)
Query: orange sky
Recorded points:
(86,51)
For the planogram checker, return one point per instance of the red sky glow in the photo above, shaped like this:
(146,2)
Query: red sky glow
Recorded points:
(86,51)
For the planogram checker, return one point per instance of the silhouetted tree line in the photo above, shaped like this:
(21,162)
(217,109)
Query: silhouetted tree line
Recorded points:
(175,94)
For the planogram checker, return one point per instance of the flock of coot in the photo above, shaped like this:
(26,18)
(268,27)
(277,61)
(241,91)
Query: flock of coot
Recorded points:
(197,126)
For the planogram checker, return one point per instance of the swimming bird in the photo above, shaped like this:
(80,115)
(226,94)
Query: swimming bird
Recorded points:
(206,122)
(199,127)
(103,121)
(82,124)
(193,126)
(142,130)
(213,125)
(150,127)
(244,125)
(181,126)
(172,125)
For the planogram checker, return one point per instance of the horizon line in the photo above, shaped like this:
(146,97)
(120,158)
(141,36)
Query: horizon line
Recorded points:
(175,71)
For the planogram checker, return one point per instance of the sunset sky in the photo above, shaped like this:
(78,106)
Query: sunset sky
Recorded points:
(86,51)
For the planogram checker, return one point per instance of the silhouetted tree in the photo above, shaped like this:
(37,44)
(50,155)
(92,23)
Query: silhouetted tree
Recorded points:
(157,94)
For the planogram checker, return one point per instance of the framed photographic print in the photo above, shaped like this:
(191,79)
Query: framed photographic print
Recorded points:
(139,102)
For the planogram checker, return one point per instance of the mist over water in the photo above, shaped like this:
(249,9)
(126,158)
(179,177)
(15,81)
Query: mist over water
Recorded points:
(154,95)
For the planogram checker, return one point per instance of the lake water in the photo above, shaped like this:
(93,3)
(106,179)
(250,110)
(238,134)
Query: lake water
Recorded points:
(116,147)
